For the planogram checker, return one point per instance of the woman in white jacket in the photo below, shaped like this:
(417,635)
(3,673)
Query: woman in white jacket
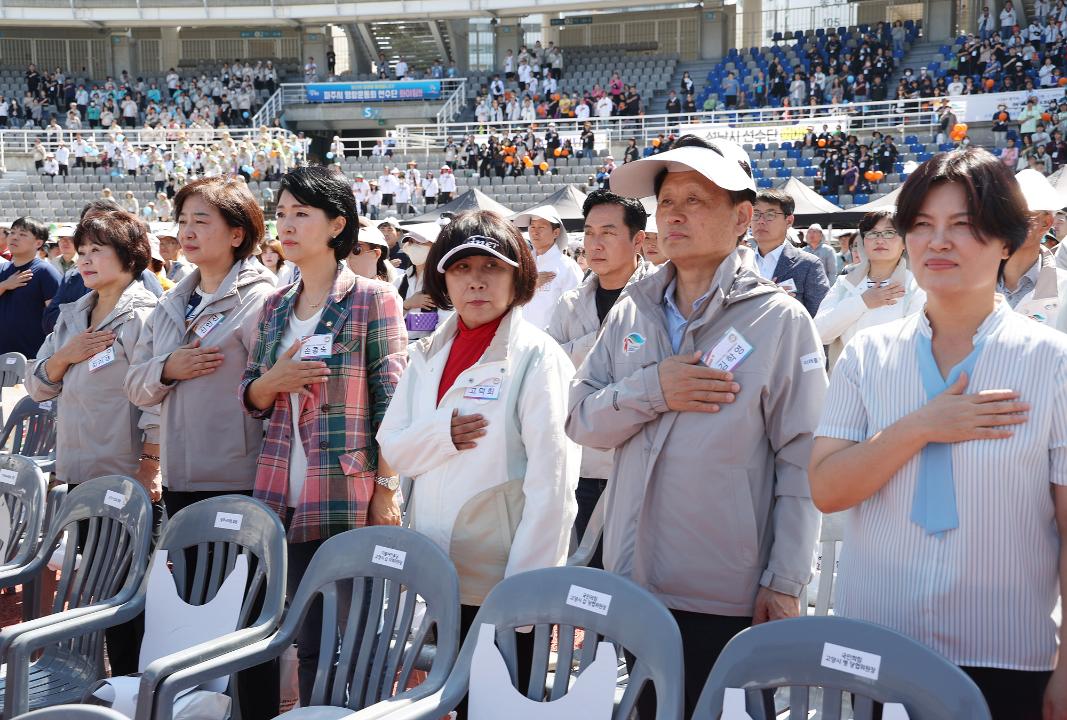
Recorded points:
(878,290)
(477,419)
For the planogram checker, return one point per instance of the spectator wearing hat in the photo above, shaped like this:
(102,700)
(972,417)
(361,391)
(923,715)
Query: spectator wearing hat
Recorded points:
(430,190)
(388,185)
(708,505)
(156,264)
(447,185)
(815,243)
(374,201)
(878,290)
(614,235)
(174,261)
(361,191)
(1030,281)
(27,285)
(390,229)
(944,435)
(650,245)
(67,259)
(370,255)
(477,420)
(50,166)
(421,313)
(798,273)
(83,364)
(556,273)
(323,406)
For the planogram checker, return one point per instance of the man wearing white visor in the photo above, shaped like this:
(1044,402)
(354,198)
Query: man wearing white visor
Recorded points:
(707,381)
(556,273)
(1030,280)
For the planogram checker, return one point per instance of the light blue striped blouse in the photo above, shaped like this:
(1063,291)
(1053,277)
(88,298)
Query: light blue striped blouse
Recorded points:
(982,594)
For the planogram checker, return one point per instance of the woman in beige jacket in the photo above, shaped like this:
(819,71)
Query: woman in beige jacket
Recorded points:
(82,366)
(196,346)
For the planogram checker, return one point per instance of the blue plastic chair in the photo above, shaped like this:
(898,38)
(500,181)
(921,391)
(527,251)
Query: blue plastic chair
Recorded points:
(861,199)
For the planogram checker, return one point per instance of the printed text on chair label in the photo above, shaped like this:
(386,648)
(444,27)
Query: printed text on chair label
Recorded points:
(586,599)
(114,499)
(854,662)
(389,557)
(228,521)
(10,361)
(8,477)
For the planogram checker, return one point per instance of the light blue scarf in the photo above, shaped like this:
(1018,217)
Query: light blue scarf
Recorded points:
(934,505)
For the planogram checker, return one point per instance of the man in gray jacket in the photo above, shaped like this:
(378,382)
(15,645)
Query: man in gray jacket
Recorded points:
(614,230)
(707,381)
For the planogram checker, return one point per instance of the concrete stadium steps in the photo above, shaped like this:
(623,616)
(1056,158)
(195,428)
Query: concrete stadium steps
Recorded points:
(698,70)
(920,55)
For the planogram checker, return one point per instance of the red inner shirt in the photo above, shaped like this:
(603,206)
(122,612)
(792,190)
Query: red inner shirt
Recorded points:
(466,350)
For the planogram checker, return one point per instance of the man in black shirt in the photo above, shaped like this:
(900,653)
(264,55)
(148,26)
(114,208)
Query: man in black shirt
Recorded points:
(614,231)
(674,105)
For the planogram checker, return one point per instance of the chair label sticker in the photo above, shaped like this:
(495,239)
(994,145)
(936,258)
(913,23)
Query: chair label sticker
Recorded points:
(46,405)
(228,521)
(854,662)
(389,557)
(115,499)
(10,361)
(8,477)
(587,599)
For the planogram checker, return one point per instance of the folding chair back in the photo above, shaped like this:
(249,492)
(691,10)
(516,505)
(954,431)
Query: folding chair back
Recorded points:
(31,429)
(108,523)
(838,655)
(22,511)
(607,607)
(833,531)
(12,373)
(589,541)
(203,542)
(73,712)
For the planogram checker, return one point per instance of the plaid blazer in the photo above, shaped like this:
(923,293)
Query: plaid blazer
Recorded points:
(338,425)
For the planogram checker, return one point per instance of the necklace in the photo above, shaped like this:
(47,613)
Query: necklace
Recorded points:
(320,303)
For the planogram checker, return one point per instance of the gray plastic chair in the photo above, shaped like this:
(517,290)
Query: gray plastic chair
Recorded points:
(24,503)
(594,531)
(356,668)
(833,530)
(12,373)
(110,518)
(635,620)
(789,654)
(203,555)
(73,712)
(31,597)
(31,432)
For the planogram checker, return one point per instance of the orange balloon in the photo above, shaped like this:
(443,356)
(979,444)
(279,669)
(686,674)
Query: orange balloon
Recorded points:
(509,160)
(822,142)
(989,83)
(960,128)
(1003,117)
(565,152)
(543,166)
(655,143)
(527,161)
(556,152)
(1046,117)
(1062,81)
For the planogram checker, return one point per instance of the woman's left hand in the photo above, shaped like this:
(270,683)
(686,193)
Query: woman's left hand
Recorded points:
(151,479)
(1055,706)
(384,508)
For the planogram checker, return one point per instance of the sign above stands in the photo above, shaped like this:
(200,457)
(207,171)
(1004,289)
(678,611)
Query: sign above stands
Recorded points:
(385,91)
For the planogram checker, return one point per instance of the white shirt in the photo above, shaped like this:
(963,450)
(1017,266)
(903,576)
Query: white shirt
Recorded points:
(1007,18)
(568,276)
(981,594)
(767,263)
(401,68)
(296,329)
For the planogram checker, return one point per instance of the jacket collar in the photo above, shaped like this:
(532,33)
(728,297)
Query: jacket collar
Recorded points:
(243,274)
(590,285)
(858,273)
(135,296)
(334,313)
(786,260)
(498,349)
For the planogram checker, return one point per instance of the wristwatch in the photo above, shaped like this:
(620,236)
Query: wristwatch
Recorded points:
(389,483)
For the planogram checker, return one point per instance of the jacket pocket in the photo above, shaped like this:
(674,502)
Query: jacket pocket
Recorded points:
(355,462)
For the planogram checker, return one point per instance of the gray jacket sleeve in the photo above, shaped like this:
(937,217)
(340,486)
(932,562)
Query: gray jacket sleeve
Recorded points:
(558,328)
(144,379)
(791,409)
(38,385)
(608,406)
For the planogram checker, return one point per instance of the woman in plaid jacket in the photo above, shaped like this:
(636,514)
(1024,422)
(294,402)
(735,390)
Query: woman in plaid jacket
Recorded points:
(327,359)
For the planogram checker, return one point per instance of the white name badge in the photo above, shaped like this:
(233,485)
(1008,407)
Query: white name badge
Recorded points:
(207,324)
(8,477)
(728,352)
(1044,310)
(228,521)
(102,359)
(587,599)
(854,662)
(489,390)
(389,557)
(114,499)
(317,347)
(790,285)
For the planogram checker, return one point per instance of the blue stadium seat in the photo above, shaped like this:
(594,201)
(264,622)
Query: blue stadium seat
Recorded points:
(860,199)
(802,162)
(784,173)
(764,183)
(793,153)
(832,198)
(777,163)
(899,168)
(759,147)
(811,171)
(923,156)
(945,147)
(786,146)
(911,139)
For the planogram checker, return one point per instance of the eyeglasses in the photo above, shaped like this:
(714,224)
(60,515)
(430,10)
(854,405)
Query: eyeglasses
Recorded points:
(882,235)
(769,216)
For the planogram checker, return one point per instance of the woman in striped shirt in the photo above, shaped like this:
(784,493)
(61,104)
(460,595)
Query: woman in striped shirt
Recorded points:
(945,436)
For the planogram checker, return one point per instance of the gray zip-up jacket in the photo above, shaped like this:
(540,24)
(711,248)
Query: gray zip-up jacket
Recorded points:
(99,431)
(575,326)
(703,508)
(207,441)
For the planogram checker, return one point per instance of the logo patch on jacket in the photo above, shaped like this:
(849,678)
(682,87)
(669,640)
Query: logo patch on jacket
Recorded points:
(632,343)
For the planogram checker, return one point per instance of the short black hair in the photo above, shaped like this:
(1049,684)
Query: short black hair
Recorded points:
(995,203)
(633,212)
(33,226)
(774,196)
(98,206)
(736,196)
(124,232)
(868,221)
(489,224)
(331,192)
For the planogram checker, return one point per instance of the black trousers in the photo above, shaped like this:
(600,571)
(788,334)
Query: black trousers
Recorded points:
(258,688)
(307,639)
(588,494)
(1011,694)
(703,639)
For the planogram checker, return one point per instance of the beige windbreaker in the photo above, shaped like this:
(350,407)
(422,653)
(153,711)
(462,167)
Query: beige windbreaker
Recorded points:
(207,441)
(100,432)
(703,508)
